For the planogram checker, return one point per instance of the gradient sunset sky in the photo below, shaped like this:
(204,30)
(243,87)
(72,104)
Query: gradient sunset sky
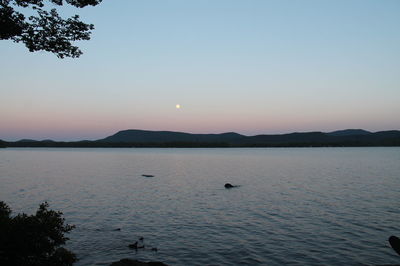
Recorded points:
(251,67)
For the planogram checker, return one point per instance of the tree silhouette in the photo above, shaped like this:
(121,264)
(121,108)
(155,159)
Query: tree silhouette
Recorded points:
(45,30)
(34,240)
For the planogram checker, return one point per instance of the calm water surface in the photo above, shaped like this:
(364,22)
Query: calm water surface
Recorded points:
(304,206)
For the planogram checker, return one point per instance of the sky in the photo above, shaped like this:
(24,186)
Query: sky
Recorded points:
(251,67)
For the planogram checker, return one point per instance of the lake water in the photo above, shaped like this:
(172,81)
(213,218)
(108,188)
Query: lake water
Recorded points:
(300,206)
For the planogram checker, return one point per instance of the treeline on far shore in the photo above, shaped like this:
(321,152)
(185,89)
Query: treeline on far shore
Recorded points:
(101,144)
(2,144)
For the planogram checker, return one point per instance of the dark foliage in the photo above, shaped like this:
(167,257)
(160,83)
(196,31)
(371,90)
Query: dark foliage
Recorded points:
(46,30)
(34,240)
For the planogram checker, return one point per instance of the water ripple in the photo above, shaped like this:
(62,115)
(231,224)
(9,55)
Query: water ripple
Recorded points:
(294,206)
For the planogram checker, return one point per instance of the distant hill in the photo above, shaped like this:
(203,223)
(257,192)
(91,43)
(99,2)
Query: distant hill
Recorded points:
(348,137)
(306,138)
(26,140)
(349,132)
(147,138)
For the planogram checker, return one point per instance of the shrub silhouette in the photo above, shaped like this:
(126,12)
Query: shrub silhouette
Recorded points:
(34,240)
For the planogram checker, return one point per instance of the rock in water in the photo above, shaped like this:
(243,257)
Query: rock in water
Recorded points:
(228,185)
(395,243)
(129,262)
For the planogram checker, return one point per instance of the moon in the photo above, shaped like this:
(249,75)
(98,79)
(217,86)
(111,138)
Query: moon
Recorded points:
(178,106)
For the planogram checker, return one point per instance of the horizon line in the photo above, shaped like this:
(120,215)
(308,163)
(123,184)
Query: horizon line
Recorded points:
(227,132)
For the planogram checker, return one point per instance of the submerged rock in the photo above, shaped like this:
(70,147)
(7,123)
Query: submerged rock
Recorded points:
(395,243)
(228,185)
(130,262)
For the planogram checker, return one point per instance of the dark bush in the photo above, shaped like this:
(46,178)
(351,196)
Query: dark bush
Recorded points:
(34,239)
